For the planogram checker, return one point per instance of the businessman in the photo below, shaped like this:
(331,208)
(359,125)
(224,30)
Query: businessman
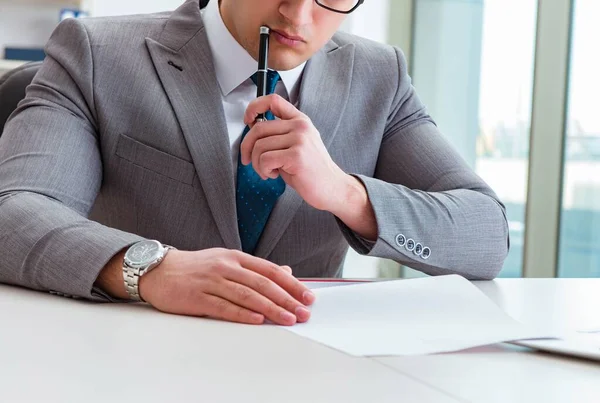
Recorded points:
(134,169)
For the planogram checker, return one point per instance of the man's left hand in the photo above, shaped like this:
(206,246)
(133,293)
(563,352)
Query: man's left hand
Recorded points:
(291,146)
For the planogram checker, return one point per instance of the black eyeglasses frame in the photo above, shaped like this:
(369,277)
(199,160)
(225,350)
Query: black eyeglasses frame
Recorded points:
(339,11)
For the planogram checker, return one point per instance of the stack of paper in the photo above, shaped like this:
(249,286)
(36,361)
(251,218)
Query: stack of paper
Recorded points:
(409,317)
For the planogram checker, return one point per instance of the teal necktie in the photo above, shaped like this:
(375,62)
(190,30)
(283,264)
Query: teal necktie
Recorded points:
(255,197)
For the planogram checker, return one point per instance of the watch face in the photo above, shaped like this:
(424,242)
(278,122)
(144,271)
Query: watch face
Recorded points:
(144,253)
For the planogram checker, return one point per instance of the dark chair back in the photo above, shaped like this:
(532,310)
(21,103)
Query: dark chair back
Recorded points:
(12,89)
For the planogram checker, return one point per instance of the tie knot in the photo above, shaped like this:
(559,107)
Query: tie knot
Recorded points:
(272,79)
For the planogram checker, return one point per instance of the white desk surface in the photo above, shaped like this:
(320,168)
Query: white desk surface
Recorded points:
(506,373)
(59,350)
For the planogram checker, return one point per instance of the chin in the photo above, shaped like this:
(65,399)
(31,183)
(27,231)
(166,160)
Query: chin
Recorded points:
(283,62)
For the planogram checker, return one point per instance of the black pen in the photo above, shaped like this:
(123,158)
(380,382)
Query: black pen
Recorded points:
(263,57)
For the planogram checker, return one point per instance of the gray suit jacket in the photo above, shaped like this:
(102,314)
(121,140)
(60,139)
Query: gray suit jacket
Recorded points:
(114,144)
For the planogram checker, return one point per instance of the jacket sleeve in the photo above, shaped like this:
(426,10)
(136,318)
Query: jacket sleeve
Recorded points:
(433,212)
(50,175)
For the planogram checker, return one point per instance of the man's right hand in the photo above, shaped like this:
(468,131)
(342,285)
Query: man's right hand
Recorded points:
(226,284)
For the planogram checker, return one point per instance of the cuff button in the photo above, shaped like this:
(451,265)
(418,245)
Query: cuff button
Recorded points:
(400,240)
(418,249)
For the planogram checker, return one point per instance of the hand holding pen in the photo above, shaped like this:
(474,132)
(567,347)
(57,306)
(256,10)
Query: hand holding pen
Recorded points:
(291,147)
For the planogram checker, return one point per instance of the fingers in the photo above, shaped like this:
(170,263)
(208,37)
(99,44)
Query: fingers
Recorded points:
(269,163)
(274,103)
(277,285)
(262,130)
(275,144)
(220,308)
(272,292)
(270,270)
(246,297)
(252,291)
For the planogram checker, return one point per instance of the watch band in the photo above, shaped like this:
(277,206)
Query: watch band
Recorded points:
(131,277)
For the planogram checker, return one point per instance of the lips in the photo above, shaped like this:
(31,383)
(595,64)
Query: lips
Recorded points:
(289,36)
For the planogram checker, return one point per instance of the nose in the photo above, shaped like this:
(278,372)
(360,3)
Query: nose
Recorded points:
(297,12)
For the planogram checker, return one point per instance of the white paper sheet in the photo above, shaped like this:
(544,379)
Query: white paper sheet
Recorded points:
(409,317)
(590,330)
(313,285)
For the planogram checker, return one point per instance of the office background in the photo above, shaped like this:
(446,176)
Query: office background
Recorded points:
(527,118)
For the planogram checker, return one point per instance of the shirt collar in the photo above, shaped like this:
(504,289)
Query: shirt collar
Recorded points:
(233,64)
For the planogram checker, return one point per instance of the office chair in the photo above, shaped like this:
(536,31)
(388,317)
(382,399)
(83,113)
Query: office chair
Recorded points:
(12,89)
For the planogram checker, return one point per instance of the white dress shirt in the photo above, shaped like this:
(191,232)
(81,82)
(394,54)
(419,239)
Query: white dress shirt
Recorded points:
(234,67)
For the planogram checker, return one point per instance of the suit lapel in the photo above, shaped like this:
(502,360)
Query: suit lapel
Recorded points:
(183,61)
(324,93)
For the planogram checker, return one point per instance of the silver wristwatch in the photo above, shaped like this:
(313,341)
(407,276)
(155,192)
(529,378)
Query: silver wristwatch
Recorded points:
(140,259)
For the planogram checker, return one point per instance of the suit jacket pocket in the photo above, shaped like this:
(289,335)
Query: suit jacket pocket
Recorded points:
(155,160)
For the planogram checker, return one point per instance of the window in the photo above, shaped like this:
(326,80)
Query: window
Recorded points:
(579,245)
(473,65)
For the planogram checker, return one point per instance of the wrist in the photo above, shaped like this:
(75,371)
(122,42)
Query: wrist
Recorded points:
(350,198)
(149,283)
(355,209)
(110,279)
